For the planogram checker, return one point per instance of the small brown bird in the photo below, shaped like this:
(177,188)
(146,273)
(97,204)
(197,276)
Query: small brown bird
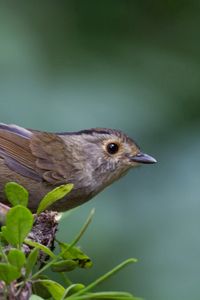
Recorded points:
(90,159)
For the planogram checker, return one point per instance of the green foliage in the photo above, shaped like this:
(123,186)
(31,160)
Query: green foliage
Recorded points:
(75,254)
(8,273)
(54,196)
(55,289)
(15,265)
(19,222)
(16,258)
(35,297)
(16,194)
(43,248)
(31,261)
(65,265)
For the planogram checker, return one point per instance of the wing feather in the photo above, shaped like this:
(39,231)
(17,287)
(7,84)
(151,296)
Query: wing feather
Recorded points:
(17,148)
(50,152)
(38,155)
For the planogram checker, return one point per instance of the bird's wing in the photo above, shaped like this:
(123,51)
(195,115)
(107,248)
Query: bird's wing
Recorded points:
(51,156)
(40,156)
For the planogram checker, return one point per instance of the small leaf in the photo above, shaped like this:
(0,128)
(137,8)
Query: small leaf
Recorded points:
(74,253)
(16,258)
(55,289)
(35,297)
(8,273)
(77,287)
(16,194)
(39,289)
(31,261)
(73,288)
(3,238)
(41,247)
(19,221)
(53,196)
(64,265)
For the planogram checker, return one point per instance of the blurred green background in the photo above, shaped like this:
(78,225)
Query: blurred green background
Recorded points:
(134,66)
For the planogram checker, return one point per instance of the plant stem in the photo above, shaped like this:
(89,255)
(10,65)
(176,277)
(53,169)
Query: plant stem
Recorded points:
(83,229)
(66,279)
(103,277)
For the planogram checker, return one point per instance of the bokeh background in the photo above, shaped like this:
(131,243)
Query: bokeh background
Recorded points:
(135,66)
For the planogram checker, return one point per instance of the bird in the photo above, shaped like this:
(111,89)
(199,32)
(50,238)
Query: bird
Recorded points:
(90,159)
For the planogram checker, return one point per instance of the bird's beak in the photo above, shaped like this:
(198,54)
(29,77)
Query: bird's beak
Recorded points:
(143,158)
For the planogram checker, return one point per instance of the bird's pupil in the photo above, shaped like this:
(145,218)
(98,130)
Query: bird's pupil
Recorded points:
(112,148)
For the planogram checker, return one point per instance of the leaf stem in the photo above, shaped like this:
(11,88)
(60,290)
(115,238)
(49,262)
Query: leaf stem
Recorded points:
(104,277)
(66,279)
(83,229)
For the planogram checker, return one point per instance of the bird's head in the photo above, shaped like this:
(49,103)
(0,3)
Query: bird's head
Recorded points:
(108,154)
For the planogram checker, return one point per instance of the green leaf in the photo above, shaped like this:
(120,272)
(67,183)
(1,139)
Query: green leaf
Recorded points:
(19,221)
(35,297)
(105,296)
(8,273)
(31,261)
(16,258)
(41,247)
(39,289)
(73,288)
(3,241)
(55,289)
(74,253)
(66,265)
(16,194)
(53,196)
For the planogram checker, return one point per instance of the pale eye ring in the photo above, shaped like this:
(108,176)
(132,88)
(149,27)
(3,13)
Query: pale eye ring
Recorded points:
(112,148)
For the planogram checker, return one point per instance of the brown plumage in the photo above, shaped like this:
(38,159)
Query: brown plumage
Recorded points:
(90,159)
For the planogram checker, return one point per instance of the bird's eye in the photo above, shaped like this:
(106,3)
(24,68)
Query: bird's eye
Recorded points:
(112,148)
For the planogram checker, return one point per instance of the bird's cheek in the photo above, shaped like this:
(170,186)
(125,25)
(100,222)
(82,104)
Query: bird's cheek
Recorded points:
(126,162)
(112,165)
(134,164)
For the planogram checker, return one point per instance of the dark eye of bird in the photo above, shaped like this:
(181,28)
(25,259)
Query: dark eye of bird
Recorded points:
(112,148)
